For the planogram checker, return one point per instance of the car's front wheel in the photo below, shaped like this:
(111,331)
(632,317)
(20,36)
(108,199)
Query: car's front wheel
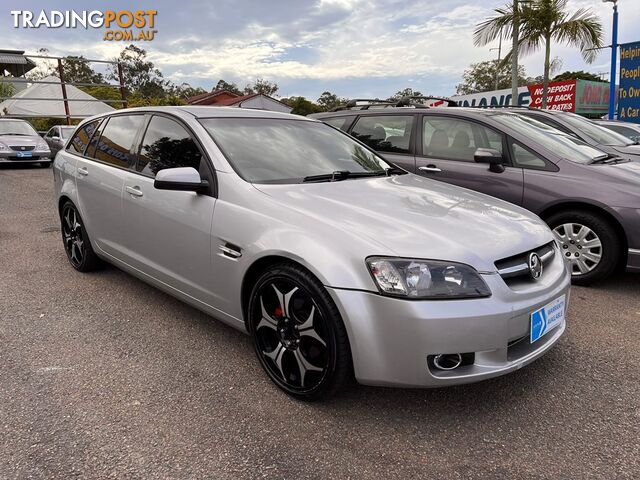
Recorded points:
(76,241)
(590,244)
(298,334)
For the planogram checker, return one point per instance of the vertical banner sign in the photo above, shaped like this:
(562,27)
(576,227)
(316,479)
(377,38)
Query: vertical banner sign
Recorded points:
(629,92)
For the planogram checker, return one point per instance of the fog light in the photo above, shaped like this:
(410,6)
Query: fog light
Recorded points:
(447,361)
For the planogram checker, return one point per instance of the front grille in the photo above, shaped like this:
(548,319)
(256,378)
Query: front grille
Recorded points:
(25,159)
(516,267)
(22,148)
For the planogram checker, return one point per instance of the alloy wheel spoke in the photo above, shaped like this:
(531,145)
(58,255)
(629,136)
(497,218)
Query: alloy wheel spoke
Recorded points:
(304,366)
(284,299)
(593,243)
(266,320)
(307,330)
(568,231)
(593,257)
(582,266)
(582,233)
(276,355)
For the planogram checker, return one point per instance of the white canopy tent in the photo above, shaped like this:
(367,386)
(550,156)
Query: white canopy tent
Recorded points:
(41,100)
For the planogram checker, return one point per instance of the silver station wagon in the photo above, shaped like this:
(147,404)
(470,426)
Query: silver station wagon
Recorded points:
(333,260)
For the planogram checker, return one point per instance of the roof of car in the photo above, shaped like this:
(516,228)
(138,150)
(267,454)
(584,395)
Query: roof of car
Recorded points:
(203,111)
(412,110)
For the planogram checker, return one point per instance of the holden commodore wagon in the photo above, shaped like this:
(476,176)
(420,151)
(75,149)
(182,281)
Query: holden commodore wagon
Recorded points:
(333,260)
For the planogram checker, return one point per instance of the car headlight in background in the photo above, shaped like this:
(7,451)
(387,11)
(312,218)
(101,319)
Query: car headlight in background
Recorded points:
(426,279)
(3,147)
(42,146)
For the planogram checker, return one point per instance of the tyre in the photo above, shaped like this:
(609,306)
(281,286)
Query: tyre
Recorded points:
(589,242)
(298,334)
(44,164)
(76,241)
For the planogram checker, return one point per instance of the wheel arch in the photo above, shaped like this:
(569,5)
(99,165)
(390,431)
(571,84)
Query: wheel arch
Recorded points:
(596,209)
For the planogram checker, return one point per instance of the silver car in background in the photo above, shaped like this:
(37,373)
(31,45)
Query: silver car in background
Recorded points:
(19,142)
(333,260)
(57,136)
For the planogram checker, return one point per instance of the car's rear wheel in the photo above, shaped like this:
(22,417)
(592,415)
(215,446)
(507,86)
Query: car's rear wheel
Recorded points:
(298,333)
(76,241)
(590,244)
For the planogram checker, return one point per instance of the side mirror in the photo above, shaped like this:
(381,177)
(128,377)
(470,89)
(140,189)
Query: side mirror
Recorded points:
(55,139)
(185,179)
(492,157)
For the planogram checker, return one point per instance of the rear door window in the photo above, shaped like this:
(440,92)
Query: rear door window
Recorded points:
(116,142)
(385,133)
(457,139)
(80,140)
(167,144)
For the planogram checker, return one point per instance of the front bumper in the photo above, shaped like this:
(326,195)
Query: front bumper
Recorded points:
(392,339)
(10,156)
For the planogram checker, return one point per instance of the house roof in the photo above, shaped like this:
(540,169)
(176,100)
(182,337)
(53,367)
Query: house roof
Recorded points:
(208,95)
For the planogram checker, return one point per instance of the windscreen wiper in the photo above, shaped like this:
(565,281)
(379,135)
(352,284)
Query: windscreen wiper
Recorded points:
(607,159)
(342,175)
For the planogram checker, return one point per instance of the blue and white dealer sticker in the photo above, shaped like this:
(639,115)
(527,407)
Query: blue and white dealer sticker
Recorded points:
(547,318)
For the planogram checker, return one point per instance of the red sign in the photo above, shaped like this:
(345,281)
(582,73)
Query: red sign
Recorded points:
(560,96)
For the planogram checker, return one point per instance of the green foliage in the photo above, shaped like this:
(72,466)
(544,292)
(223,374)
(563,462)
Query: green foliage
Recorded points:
(302,106)
(6,89)
(541,22)
(578,75)
(230,87)
(328,101)
(139,100)
(407,92)
(78,70)
(261,86)
(140,74)
(481,77)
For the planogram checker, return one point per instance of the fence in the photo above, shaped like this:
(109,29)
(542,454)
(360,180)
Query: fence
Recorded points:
(63,86)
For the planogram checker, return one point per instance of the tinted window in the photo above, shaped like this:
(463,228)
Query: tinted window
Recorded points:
(52,133)
(456,139)
(167,144)
(268,150)
(93,143)
(82,136)
(114,145)
(626,131)
(525,158)
(339,122)
(385,133)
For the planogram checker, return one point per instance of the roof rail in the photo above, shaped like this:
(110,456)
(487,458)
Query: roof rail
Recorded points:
(410,101)
(372,102)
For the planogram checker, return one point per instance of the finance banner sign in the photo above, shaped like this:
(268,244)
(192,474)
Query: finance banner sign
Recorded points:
(629,92)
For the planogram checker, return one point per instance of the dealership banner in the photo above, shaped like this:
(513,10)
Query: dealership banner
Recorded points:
(629,93)
(580,96)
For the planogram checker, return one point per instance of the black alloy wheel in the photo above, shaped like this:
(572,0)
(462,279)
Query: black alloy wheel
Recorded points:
(298,334)
(76,241)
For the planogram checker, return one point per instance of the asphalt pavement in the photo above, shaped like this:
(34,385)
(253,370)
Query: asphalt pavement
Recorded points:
(102,376)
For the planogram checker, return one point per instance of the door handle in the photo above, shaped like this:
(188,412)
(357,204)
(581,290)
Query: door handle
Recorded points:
(430,168)
(83,171)
(135,191)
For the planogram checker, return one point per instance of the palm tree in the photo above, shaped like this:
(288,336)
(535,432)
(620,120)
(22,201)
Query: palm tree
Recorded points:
(541,22)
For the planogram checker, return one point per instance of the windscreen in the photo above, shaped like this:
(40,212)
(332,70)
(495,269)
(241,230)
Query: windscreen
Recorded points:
(268,150)
(598,133)
(16,127)
(560,143)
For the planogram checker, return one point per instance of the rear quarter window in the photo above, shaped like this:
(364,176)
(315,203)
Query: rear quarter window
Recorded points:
(80,140)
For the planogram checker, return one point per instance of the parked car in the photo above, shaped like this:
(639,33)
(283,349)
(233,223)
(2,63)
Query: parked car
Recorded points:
(586,130)
(331,258)
(589,198)
(627,129)
(57,136)
(19,142)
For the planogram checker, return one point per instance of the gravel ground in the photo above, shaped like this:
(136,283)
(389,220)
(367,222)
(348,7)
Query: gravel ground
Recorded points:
(102,376)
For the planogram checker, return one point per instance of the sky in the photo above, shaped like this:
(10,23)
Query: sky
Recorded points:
(354,48)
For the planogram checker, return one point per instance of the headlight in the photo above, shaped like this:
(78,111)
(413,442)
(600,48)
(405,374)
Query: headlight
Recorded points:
(3,147)
(426,279)
(42,146)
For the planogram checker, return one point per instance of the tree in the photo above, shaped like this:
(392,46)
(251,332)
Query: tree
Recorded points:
(328,101)
(407,92)
(302,106)
(140,75)
(230,87)
(261,86)
(78,70)
(184,90)
(579,75)
(481,77)
(544,21)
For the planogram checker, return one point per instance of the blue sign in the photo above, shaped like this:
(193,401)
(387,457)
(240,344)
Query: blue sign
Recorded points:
(629,92)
